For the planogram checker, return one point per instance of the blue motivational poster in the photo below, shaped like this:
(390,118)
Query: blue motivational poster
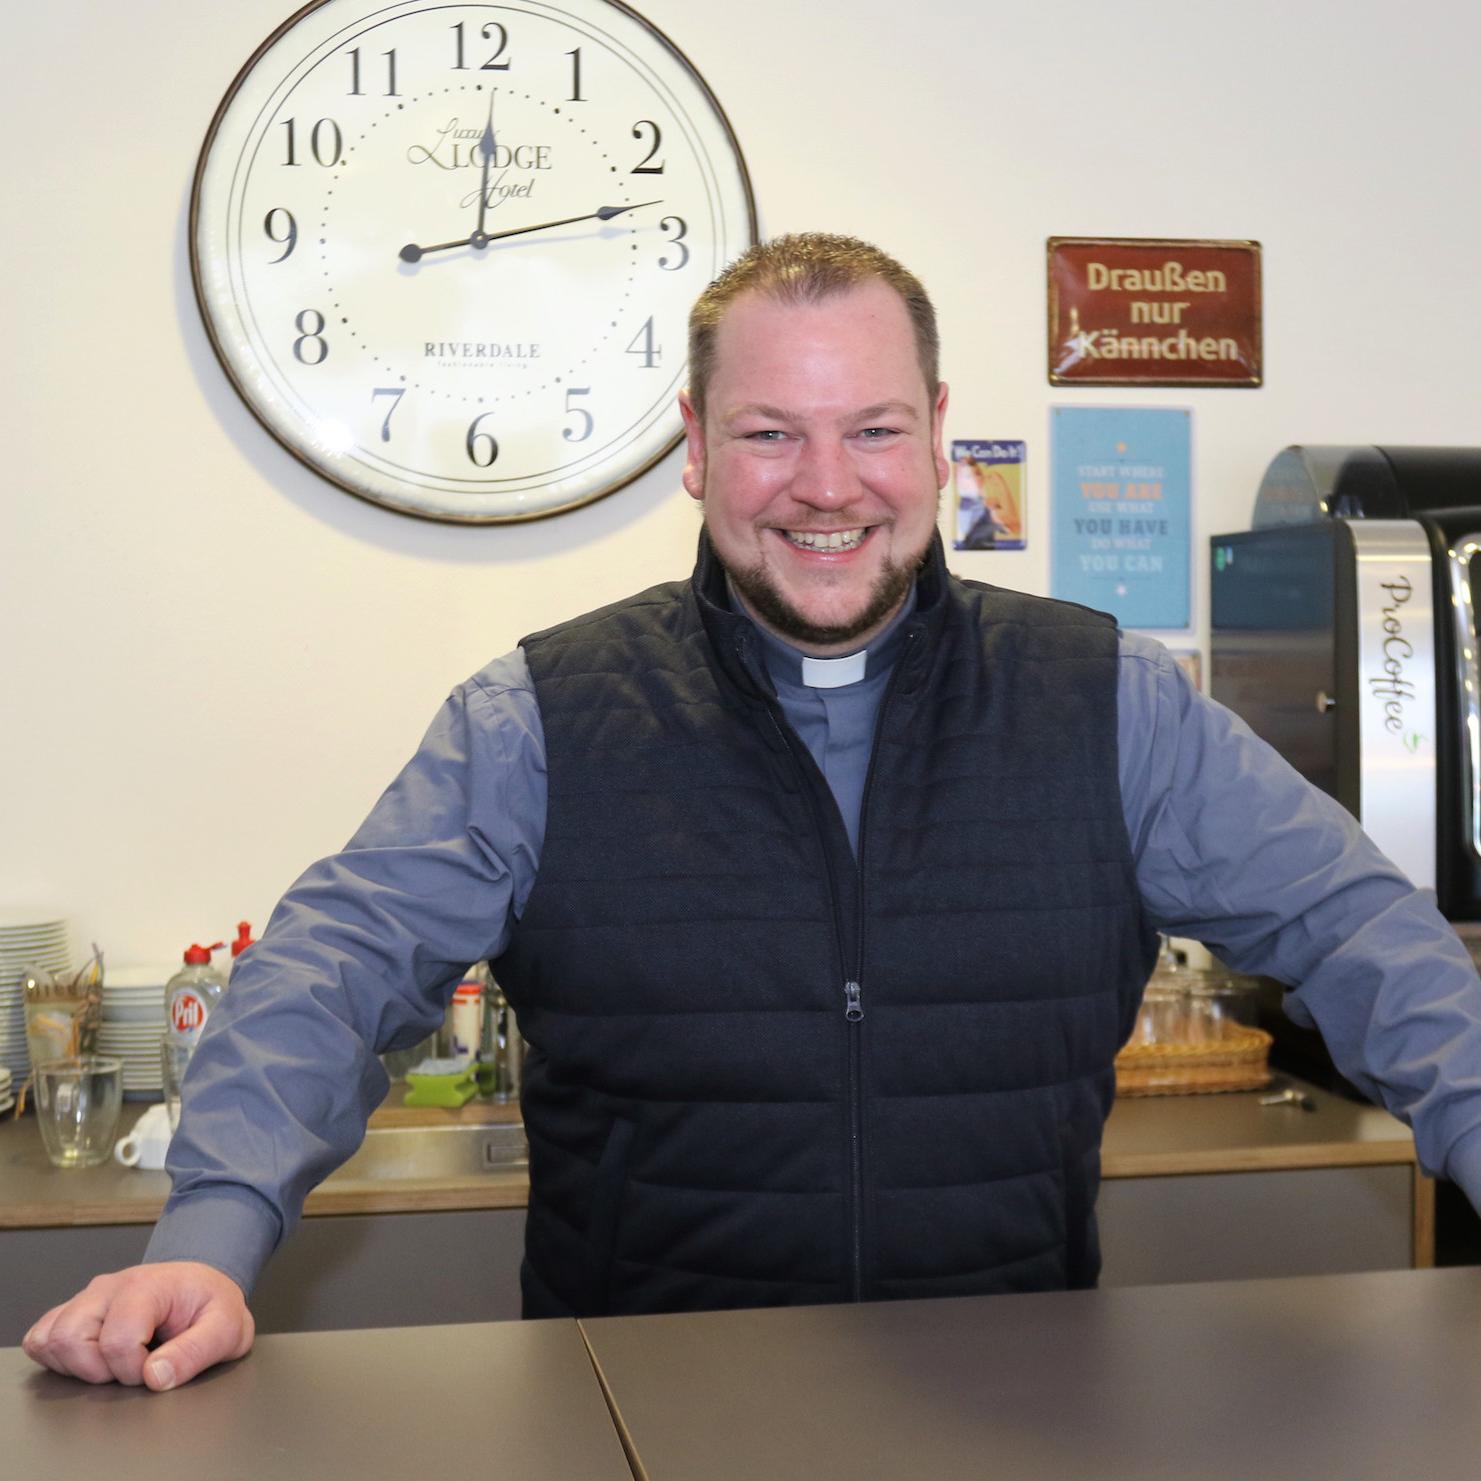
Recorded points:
(1120,511)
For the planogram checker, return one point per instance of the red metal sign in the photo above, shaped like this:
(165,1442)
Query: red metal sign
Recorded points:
(1133,311)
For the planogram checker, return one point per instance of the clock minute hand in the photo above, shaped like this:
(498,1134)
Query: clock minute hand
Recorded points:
(411,252)
(604,213)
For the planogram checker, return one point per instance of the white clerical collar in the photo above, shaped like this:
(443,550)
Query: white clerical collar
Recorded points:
(834,673)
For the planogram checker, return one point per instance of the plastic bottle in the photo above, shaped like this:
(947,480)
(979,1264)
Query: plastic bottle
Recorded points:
(243,941)
(189,997)
(191,994)
(465,1019)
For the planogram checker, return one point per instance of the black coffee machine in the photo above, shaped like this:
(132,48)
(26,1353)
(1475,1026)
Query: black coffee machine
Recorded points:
(1344,633)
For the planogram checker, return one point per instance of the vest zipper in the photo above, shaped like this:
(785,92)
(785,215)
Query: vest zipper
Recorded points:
(853,1009)
(853,991)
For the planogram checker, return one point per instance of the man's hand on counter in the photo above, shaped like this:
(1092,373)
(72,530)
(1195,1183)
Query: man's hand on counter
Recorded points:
(102,1334)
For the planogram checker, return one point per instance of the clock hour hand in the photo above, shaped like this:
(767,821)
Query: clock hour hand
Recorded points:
(412,253)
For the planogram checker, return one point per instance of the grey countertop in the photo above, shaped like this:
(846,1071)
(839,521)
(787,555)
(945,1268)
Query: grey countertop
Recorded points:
(503,1399)
(1363,1377)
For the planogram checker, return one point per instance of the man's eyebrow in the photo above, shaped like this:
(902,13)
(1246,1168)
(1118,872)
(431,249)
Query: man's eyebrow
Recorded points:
(761,409)
(886,409)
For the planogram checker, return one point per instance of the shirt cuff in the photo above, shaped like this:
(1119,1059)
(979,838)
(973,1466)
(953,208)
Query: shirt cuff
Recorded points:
(231,1229)
(1463,1166)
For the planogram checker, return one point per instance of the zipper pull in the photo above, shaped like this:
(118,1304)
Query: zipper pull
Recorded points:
(854,1010)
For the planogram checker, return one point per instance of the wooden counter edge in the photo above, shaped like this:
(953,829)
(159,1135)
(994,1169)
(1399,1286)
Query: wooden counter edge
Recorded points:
(403,1196)
(1292,1158)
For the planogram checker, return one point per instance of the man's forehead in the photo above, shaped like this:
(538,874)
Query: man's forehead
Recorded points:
(768,341)
(869,295)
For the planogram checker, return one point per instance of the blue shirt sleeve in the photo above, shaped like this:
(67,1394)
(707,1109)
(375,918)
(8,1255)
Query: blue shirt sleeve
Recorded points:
(359,957)
(1235,849)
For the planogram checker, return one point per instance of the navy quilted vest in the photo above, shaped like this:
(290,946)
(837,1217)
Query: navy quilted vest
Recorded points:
(761,1074)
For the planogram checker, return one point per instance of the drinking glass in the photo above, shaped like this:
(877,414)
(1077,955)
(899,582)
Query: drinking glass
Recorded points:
(173,1057)
(77,1106)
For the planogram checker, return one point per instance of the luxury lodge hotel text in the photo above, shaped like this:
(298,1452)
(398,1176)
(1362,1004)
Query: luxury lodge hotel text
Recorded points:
(1121,539)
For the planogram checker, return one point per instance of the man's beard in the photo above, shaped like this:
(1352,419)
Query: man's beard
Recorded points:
(764,599)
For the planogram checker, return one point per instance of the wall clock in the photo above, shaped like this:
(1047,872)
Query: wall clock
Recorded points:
(446,252)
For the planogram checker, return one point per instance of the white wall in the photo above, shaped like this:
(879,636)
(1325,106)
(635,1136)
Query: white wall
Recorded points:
(212,660)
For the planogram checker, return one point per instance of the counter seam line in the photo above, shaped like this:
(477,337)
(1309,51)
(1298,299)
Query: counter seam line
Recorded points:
(625,1439)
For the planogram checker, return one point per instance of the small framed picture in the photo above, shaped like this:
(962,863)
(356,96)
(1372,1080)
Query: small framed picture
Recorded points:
(988,479)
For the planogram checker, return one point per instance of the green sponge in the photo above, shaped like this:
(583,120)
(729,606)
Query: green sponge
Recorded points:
(441,1082)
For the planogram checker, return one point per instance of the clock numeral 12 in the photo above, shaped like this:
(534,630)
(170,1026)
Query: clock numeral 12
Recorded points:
(390,57)
(481,442)
(650,352)
(316,141)
(493,64)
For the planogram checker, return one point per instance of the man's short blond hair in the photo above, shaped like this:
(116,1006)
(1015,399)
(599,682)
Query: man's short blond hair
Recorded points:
(806,267)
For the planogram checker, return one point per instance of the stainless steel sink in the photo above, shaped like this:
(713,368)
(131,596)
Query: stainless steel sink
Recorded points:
(406,1152)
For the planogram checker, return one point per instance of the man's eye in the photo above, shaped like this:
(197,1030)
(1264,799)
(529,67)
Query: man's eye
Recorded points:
(766,434)
(876,434)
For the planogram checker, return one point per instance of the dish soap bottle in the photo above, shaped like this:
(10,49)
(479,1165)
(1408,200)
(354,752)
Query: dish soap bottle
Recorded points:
(243,941)
(189,997)
(191,994)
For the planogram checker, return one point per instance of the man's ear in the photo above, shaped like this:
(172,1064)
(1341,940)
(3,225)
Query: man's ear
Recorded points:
(938,424)
(694,448)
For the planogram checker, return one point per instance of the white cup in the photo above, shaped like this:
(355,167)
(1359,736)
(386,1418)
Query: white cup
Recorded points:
(145,1146)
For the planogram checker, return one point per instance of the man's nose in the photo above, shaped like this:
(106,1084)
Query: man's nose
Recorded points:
(825,475)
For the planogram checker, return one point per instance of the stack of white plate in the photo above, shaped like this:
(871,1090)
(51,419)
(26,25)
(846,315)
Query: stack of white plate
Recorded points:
(133,1021)
(28,938)
(7,1091)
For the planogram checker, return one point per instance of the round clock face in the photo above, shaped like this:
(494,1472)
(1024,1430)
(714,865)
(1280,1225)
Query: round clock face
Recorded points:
(446,252)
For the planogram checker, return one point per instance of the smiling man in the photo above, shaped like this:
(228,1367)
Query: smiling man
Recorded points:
(824,885)
(815,448)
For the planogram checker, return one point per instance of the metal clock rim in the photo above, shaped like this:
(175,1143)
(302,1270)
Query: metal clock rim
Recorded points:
(444,517)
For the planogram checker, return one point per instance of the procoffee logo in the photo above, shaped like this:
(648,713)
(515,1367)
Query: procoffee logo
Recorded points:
(1390,684)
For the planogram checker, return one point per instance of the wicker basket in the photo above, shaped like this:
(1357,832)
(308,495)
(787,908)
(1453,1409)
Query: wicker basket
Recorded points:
(1237,1060)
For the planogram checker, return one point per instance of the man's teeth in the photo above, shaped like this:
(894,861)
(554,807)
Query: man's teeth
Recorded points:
(834,540)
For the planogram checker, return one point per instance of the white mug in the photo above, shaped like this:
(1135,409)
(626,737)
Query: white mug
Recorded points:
(145,1146)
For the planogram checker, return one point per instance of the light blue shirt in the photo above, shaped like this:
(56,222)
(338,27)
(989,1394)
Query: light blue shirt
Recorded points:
(1231,846)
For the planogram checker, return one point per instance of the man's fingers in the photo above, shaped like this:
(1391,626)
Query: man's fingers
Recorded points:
(65,1339)
(137,1311)
(103,1333)
(33,1344)
(220,1333)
